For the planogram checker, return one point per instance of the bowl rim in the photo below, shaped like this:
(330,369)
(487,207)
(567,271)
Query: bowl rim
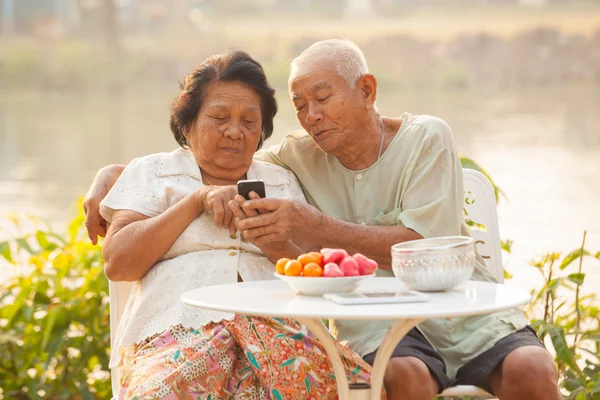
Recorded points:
(459,241)
(325,277)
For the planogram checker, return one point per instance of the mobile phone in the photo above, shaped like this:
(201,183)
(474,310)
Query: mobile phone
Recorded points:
(376,297)
(252,185)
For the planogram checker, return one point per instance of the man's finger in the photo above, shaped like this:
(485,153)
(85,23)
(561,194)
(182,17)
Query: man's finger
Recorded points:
(258,221)
(261,231)
(263,240)
(269,204)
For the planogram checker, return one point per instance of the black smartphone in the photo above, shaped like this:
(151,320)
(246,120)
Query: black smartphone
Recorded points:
(252,185)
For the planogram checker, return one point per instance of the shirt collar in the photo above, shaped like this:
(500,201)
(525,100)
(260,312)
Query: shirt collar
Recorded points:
(182,162)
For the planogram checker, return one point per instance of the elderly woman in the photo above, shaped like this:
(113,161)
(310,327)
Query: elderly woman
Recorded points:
(171,230)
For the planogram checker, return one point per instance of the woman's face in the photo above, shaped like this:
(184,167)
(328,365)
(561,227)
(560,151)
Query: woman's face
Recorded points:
(227,130)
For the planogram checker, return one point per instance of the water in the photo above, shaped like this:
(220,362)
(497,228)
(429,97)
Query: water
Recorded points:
(542,147)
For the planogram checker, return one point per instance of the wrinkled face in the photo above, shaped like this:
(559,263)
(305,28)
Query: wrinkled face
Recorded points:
(227,130)
(326,107)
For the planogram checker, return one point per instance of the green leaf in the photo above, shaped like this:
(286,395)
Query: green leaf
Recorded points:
(5,252)
(24,244)
(279,320)
(356,370)
(577,278)
(470,164)
(572,256)
(506,245)
(307,384)
(288,362)
(563,352)
(49,325)
(572,384)
(253,360)
(507,275)
(581,396)
(276,394)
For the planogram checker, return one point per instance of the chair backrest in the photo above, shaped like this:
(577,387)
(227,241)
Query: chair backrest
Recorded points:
(480,207)
(119,293)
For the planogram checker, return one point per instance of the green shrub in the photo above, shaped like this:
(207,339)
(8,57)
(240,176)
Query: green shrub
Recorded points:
(54,315)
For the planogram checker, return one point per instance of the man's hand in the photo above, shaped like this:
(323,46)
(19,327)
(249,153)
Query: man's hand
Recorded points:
(274,250)
(217,198)
(105,179)
(279,220)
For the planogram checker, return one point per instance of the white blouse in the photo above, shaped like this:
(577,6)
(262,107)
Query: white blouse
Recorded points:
(202,255)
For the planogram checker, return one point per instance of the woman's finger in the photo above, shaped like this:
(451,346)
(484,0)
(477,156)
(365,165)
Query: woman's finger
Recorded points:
(219,211)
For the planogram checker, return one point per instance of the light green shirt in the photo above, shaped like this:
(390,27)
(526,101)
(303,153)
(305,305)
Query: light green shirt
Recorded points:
(417,183)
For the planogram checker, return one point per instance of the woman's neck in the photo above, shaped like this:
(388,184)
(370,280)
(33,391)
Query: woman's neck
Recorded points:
(214,181)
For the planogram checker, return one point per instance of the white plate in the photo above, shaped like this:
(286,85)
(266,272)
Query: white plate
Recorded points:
(312,286)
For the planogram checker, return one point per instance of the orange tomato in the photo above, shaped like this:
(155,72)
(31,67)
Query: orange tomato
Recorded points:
(293,268)
(312,269)
(280,266)
(308,258)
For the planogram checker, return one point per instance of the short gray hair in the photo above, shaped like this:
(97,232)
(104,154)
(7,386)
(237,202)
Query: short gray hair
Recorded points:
(348,59)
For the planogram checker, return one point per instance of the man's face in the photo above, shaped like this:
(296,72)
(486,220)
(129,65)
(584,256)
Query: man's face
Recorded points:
(327,108)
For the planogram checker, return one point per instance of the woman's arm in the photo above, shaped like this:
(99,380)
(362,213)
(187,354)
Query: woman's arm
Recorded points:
(135,242)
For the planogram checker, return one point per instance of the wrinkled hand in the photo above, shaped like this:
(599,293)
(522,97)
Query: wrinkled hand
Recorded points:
(278,220)
(104,181)
(216,199)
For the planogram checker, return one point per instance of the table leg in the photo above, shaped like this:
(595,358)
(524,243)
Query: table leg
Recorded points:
(397,331)
(317,327)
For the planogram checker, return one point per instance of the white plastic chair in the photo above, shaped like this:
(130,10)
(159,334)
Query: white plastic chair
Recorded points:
(119,293)
(480,205)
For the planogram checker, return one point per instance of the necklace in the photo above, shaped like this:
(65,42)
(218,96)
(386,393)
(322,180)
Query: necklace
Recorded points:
(204,178)
(382,138)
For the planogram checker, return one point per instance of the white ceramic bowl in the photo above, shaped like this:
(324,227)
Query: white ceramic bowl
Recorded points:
(313,286)
(434,264)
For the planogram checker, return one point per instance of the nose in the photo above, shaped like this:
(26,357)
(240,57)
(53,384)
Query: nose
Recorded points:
(234,130)
(313,114)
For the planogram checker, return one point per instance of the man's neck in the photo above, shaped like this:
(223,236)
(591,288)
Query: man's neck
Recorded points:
(362,148)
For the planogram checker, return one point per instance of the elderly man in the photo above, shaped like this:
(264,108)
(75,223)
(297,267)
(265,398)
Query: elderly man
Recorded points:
(371,182)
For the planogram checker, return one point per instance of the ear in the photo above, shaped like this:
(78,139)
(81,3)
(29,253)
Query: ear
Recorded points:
(368,87)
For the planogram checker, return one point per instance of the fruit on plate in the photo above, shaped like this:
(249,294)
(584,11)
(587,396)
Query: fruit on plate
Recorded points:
(328,263)
(313,257)
(349,266)
(366,266)
(293,268)
(333,255)
(332,270)
(280,266)
(312,269)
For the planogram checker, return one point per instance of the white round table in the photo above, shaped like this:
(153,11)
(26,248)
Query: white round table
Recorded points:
(276,299)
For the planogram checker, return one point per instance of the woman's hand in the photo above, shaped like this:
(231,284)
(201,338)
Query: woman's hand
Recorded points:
(216,199)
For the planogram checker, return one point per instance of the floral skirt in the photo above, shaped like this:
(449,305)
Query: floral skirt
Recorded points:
(245,358)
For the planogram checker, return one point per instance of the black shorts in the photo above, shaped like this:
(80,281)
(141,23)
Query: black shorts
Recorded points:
(476,372)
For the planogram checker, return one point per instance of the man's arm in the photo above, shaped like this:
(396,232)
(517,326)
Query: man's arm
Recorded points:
(104,181)
(290,220)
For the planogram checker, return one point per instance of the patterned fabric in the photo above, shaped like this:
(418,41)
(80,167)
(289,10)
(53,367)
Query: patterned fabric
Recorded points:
(202,255)
(245,358)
